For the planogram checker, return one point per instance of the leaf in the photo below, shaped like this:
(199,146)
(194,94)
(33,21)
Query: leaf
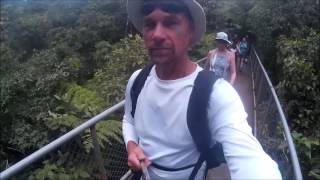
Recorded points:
(84,174)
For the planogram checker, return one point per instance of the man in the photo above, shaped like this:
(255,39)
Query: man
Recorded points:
(158,133)
(243,51)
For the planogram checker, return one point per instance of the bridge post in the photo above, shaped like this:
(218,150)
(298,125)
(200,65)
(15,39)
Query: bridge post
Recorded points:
(254,88)
(97,154)
(259,88)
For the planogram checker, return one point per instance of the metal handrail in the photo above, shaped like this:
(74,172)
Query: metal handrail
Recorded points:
(58,142)
(201,60)
(292,149)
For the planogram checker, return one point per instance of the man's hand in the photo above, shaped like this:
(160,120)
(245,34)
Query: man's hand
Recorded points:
(136,156)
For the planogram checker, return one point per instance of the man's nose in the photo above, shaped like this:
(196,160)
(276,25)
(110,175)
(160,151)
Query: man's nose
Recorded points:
(158,33)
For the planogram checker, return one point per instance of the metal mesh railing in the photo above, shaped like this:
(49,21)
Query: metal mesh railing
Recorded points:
(270,124)
(93,150)
(96,153)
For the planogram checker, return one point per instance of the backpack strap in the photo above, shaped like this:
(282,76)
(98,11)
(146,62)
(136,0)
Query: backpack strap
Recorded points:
(197,115)
(213,157)
(198,124)
(134,93)
(138,85)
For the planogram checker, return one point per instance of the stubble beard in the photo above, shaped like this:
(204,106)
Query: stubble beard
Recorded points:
(161,59)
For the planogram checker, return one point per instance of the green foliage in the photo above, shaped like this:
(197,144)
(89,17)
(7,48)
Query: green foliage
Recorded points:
(299,89)
(84,100)
(124,58)
(51,172)
(62,122)
(269,20)
(26,137)
(48,52)
(102,50)
(7,59)
(76,160)
(309,149)
(201,50)
(26,94)
(107,130)
(226,15)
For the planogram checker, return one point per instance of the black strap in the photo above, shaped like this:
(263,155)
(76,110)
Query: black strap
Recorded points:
(215,156)
(134,93)
(138,85)
(197,113)
(197,167)
(136,175)
(198,124)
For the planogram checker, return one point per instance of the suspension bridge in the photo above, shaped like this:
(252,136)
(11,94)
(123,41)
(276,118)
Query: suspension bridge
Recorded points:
(265,115)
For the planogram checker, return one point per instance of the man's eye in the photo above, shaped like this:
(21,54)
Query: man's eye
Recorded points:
(169,23)
(149,24)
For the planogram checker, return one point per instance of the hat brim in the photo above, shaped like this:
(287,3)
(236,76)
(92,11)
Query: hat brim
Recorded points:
(227,41)
(196,12)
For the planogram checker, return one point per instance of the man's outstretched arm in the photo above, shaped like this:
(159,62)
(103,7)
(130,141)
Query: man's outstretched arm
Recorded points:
(244,154)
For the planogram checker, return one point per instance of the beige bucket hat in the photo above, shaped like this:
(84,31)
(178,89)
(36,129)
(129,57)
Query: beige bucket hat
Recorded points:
(195,9)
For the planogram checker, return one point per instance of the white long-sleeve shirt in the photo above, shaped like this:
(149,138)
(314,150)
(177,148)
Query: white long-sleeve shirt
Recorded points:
(160,129)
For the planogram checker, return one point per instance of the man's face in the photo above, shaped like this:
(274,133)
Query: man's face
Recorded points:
(167,36)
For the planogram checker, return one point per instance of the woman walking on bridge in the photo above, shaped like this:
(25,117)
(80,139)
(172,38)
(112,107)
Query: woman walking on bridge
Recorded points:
(222,60)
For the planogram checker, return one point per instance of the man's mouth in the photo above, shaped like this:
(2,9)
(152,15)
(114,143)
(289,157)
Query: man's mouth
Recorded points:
(159,51)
